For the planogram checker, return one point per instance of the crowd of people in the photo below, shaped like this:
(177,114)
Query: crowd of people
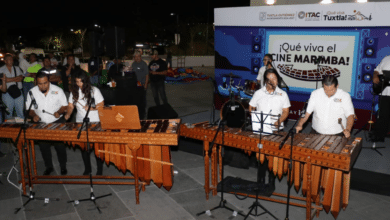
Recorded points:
(63,91)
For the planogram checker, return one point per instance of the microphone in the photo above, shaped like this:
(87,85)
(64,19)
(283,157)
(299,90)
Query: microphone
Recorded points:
(93,104)
(304,109)
(33,99)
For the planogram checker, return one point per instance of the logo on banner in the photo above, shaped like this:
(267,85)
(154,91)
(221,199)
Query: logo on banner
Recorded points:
(309,16)
(301,15)
(263,16)
(342,16)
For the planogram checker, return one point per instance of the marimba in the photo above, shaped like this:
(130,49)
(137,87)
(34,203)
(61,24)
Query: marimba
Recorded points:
(320,162)
(145,152)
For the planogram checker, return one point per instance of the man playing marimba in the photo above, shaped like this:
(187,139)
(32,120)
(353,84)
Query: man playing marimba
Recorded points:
(51,101)
(268,98)
(329,104)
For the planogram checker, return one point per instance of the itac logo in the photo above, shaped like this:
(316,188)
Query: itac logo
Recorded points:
(301,15)
(262,16)
(309,15)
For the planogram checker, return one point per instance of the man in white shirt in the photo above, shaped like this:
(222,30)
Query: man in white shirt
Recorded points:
(381,127)
(76,59)
(267,61)
(51,104)
(329,104)
(270,100)
(14,76)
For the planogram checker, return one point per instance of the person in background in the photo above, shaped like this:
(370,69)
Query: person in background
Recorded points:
(382,125)
(53,60)
(141,70)
(95,70)
(3,89)
(48,69)
(169,59)
(267,61)
(32,71)
(14,77)
(23,63)
(67,73)
(76,59)
(50,98)
(157,73)
(82,92)
(115,70)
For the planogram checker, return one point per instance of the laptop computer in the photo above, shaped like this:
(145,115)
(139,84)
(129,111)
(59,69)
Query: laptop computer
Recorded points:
(124,117)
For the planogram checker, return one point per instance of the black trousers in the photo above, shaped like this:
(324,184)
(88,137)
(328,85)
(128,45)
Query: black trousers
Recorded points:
(159,88)
(60,147)
(141,102)
(87,161)
(382,124)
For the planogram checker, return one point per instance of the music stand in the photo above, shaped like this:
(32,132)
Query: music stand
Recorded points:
(256,204)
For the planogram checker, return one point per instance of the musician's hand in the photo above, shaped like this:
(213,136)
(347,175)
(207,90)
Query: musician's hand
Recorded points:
(347,133)
(36,118)
(56,115)
(276,124)
(67,116)
(298,128)
(375,79)
(86,108)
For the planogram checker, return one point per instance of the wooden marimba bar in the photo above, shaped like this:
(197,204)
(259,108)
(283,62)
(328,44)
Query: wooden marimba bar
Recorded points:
(145,152)
(320,162)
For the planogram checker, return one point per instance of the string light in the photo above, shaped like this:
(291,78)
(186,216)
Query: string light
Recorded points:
(361,1)
(270,2)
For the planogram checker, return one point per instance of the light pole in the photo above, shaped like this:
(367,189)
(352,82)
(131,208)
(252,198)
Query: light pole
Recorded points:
(177,36)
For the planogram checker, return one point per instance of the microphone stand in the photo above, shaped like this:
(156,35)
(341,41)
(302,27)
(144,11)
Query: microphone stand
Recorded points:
(92,197)
(291,133)
(222,203)
(31,196)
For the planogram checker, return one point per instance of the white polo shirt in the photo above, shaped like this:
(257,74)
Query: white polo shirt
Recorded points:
(384,65)
(51,103)
(81,112)
(265,102)
(327,110)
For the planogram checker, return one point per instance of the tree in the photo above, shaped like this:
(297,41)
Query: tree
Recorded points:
(46,41)
(81,37)
(58,42)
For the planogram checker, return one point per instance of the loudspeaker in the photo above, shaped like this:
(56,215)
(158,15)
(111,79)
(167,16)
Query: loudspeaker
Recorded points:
(115,42)
(370,47)
(162,112)
(255,66)
(256,41)
(367,73)
(96,42)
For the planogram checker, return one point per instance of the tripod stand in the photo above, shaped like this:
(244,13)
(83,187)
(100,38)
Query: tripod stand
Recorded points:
(370,122)
(92,197)
(222,203)
(31,196)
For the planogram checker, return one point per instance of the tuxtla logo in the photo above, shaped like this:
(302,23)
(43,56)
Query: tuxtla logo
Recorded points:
(262,16)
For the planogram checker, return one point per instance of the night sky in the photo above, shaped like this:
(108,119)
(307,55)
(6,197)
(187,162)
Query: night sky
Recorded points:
(36,17)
